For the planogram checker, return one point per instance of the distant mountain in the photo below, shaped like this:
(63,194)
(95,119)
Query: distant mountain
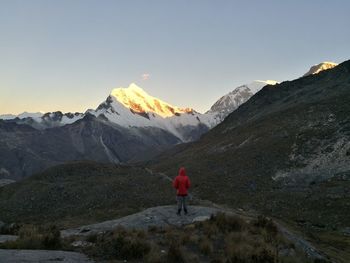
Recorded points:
(35,115)
(231,101)
(128,107)
(133,107)
(320,67)
(44,120)
(129,126)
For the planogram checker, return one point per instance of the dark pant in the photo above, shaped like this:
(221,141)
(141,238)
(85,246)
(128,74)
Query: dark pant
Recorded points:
(181,202)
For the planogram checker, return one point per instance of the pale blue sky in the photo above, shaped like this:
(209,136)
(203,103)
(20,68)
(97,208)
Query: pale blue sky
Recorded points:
(68,54)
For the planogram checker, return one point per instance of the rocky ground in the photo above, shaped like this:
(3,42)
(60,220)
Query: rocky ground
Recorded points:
(42,256)
(161,216)
(5,238)
(4,182)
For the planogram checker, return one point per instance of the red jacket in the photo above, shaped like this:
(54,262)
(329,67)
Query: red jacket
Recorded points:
(182,182)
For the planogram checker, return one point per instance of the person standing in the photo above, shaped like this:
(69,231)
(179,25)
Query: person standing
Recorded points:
(181,183)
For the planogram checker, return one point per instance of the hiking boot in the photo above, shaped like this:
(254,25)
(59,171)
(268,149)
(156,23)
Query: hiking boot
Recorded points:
(178,212)
(185,211)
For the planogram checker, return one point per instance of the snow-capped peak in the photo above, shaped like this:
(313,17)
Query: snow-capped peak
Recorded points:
(320,67)
(231,101)
(132,107)
(136,99)
(23,115)
(257,85)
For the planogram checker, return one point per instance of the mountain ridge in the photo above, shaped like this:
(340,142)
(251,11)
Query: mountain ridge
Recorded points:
(114,132)
(317,68)
(139,102)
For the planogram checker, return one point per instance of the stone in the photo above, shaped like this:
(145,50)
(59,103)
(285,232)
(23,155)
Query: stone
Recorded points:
(5,238)
(200,218)
(160,216)
(81,243)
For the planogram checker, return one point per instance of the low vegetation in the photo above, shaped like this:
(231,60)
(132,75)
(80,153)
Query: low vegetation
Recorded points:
(81,193)
(35,237)
(223,238)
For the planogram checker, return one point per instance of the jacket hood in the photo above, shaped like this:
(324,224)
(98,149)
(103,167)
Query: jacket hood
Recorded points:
(182,171)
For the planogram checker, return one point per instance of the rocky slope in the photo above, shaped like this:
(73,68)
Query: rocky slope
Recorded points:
(285,151)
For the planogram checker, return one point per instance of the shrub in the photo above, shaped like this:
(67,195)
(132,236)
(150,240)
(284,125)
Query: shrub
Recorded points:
(211,229)
(33,237)
(92,238)
(205,246)
(52,238)
(228,223)
(155,256)
(141,234)
(185,238)
(175,254)
(194,239)
(263,256)
(267,229)
(152,229)
(267,224)
(10,229)
(130,248)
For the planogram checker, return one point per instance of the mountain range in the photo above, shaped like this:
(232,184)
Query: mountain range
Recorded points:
(130,125)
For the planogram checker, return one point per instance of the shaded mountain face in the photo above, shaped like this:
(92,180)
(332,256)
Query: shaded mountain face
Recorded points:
(286,146)
(25,150)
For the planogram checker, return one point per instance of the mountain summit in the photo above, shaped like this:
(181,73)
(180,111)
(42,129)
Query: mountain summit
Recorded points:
(133,107)
(320,67)
(136,99)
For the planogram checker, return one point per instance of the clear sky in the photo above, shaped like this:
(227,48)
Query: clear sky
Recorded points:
(68,54)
